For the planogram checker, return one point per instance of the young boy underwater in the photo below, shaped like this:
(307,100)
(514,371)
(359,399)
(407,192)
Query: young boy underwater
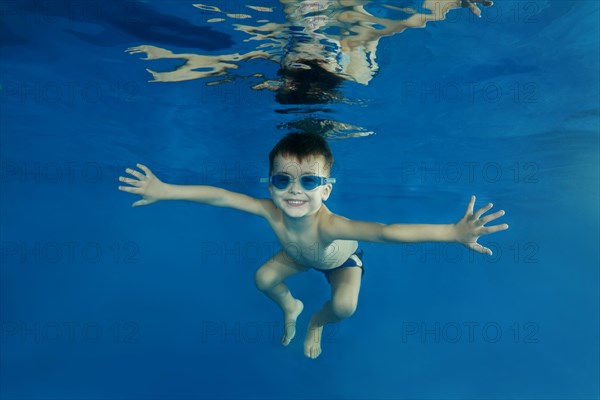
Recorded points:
(310,235)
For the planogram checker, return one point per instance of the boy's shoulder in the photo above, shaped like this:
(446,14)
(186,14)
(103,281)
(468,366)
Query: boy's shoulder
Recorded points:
(326,217)
(330,223)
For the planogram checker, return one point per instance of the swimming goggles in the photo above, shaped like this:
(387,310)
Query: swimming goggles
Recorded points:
(308,182)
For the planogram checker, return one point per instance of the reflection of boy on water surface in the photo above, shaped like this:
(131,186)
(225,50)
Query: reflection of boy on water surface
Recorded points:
(323,43)
(316,62)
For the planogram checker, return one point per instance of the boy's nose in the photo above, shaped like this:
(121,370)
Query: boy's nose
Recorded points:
(295,187)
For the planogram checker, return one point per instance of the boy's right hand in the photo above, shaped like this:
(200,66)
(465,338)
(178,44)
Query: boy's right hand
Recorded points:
(146,185)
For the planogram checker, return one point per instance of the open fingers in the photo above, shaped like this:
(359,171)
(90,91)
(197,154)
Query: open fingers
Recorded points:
(492,217)
(145,169)
(129,189)
(133,182)
(469,211)
(482,210)
(479,248)
(135,173)
(496,228)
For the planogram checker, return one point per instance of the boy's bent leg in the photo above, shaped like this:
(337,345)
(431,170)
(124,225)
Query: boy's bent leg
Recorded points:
(345,287)
(269,280)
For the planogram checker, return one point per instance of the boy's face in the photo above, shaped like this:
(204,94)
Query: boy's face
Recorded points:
(296,201)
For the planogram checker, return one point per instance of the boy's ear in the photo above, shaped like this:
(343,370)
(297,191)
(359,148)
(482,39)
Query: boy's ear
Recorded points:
(327,191)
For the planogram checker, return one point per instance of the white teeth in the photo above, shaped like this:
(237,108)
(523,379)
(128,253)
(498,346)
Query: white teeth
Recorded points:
(295,202)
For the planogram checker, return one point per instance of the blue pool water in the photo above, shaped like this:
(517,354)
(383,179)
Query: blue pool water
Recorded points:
(99,300)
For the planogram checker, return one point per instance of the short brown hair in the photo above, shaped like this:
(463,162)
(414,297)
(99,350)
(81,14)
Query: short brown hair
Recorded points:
(302,146)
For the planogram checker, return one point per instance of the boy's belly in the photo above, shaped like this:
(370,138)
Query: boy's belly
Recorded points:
(320,256)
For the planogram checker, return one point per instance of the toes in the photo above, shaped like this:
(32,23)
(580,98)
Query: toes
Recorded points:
(290,324)
(308,353)
(312,352)
(290,332)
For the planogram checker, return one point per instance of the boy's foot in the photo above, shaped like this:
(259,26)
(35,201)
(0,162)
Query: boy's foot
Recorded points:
(289,319)
(312,342)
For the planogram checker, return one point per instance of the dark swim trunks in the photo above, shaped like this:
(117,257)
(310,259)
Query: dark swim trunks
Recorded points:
(350,262)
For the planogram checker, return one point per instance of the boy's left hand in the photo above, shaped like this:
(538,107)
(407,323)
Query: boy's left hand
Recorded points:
(471,226)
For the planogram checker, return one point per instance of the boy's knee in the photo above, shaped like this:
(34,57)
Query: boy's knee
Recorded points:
(264,280)
(344,308)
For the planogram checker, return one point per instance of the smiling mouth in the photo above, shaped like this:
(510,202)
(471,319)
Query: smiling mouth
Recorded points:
(295,203)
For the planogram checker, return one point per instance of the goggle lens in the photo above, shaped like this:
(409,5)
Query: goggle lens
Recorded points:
(311,182)
(280,181)
(308,182)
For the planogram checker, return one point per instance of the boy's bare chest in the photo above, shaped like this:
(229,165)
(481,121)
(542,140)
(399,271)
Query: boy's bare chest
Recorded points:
(302,243)
(309,249)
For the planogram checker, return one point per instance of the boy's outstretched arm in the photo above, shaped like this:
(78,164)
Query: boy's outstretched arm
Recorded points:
(466,231)
(152,189)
